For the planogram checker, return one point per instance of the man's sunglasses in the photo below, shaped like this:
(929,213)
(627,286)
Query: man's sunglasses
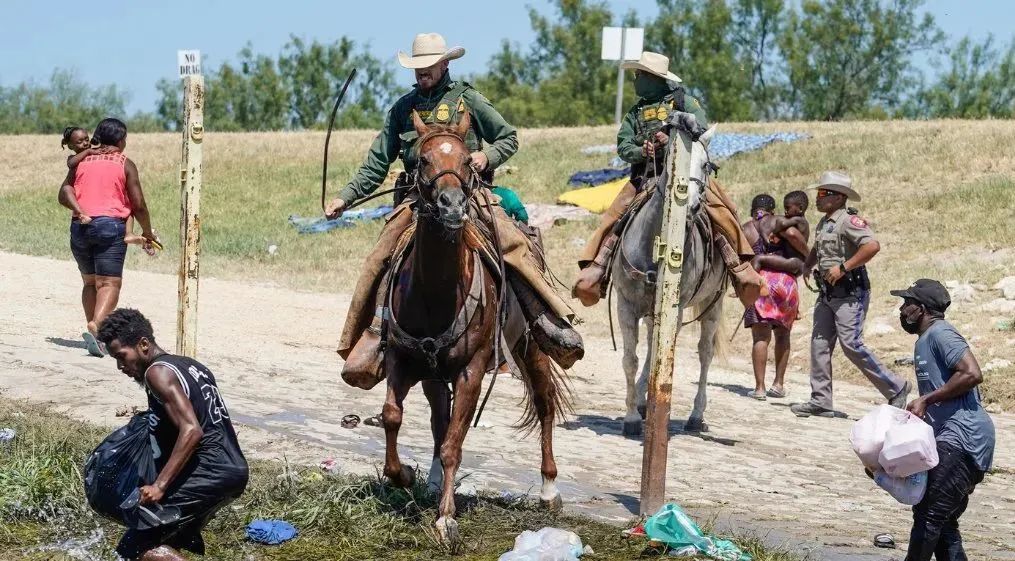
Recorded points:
(827,193)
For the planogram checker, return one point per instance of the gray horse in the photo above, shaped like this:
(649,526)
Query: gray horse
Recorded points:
(702,284)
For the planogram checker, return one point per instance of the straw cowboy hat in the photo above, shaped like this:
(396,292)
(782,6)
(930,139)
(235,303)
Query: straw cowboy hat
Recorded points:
(427,50)
(837,181)
(653,63)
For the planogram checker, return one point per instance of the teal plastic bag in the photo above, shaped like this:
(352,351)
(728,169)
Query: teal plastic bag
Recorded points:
(676,529)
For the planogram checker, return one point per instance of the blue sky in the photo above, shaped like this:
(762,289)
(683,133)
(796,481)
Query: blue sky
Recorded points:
(133,43)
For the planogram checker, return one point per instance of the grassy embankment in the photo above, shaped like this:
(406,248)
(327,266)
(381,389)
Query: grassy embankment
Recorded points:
(339,517)
(940,194)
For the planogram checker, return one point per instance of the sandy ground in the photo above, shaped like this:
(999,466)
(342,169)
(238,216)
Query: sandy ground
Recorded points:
(794,481)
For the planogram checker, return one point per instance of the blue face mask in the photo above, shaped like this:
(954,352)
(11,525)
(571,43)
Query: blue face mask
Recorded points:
(650,87)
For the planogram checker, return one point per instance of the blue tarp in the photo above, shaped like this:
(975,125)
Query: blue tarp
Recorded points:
(722,146)
(725,145)
(318,224)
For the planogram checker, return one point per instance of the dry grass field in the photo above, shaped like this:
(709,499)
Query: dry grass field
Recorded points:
(940,194)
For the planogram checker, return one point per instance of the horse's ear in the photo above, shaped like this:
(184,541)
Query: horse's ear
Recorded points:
(707,136)
(418,124)
(463,125)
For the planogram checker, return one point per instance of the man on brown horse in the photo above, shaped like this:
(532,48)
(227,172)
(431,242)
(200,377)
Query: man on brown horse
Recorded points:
(442,101)
(641,143)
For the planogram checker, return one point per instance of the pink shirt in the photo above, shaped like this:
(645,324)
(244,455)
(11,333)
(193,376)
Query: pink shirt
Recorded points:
(100,186)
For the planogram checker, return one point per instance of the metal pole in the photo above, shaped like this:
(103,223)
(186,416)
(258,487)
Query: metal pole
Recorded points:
(190,221)
(619,111)
(668,250)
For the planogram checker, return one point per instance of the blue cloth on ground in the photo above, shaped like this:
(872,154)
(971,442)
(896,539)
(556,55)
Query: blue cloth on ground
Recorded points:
(270,532)
(597,176)
(725,145)
(722,146)
(319,224)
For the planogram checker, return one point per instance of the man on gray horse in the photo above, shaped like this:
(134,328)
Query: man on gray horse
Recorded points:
(438,99)
(641,142)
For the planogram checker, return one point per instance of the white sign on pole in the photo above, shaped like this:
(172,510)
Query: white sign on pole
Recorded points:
(622,43)
(189,62)
(634,42)
(612,38)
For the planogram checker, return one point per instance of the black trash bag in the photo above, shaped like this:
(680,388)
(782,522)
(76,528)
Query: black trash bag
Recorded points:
(121,464)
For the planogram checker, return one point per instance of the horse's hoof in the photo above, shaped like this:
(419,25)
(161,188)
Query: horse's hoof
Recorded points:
(556,504)
(404,479)
(696,425)
(447,530)
(632,428)
(642,410)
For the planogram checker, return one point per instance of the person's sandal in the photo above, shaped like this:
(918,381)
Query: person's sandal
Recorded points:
(350,421)
(92,344)
(884,541)
(760,396)
(772,392)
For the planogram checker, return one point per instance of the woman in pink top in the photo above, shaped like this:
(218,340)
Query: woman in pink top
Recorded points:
(102,191)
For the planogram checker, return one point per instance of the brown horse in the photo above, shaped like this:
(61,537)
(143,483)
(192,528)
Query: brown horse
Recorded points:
(445,302)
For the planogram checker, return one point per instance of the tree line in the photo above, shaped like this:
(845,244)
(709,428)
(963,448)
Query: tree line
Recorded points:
(744,59)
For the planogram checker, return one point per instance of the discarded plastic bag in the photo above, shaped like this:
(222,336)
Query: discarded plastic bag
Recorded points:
(118,466)
(676,529)
(548,544)
(909,447)
(906,490)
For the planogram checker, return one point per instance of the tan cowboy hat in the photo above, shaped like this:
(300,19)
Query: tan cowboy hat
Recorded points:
(836,181)
(427,50)
(653,63)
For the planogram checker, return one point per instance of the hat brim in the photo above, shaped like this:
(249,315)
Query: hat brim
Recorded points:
(636,65)
(848,191)
(426,61)
(902,294)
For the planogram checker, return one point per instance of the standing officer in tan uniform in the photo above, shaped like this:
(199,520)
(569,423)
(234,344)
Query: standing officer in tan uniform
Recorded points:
(843,245)
(438,99)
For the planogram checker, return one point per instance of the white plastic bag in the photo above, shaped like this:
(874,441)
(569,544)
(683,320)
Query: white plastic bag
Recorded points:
(868,434)
(906,490)
(548,544)
(909,448)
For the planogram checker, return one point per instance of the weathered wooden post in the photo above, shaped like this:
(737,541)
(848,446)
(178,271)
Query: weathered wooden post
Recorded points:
(190,220)
(668,252)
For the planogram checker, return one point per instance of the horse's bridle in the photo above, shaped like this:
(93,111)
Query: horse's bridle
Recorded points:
(424,185)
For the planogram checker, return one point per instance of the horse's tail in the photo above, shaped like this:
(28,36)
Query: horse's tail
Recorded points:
(546,385)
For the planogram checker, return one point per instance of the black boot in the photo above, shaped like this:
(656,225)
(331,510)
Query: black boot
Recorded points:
(554,335)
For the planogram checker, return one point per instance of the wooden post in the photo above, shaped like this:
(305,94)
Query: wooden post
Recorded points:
(190,221)
(668,251)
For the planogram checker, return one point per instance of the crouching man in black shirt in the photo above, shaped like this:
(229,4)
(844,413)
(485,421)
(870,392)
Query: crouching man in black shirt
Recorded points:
(199,462)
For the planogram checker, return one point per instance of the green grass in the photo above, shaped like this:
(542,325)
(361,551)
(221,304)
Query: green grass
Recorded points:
(339,517)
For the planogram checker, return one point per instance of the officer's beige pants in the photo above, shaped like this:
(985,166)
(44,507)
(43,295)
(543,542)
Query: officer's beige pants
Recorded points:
(841,319)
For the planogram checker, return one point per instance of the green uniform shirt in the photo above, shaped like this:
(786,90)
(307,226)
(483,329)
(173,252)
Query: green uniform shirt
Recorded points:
(444,104)
(838,237)
(647,117)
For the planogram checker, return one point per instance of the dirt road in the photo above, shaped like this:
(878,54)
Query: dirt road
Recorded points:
(760,469)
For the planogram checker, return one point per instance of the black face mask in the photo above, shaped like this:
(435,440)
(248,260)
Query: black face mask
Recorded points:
(911,324)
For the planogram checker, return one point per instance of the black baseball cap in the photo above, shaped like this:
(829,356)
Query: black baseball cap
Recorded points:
(932,294)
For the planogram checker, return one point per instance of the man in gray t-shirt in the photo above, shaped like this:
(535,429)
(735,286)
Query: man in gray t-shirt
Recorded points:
(947,375)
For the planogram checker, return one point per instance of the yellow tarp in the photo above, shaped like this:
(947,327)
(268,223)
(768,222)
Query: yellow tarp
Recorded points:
(596,199)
